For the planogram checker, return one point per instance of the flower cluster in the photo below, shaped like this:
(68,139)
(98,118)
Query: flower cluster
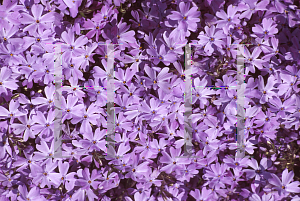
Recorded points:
(166,145)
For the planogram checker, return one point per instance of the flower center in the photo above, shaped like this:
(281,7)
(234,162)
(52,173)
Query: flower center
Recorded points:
(89,181)
(174,162)
(62,178)
(4,39)
(118,36)
(37,21)
(133,170)
(97,27)
(229,19)
(68,110)
(184,17)
(212,39)
(264,92)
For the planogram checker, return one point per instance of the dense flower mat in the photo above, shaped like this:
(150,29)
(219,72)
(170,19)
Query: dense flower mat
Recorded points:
(149,38)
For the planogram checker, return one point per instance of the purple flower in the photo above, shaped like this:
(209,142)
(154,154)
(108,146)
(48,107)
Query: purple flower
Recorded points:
(228,20)
(173,162)
(187,17)
(267,30)
(44,174)
(251,6)
(161,54)
(33,194)
(8,179)
(25,127)
(72,48)
(74,89)
(71,67)
(201,93)
(160,80)
(215,175)
(84,59)
(118,34)
(201,196)
(154,110)
(265,92)
(37,21)
(11,53)
(86,181)
(252,59)
(73,6)
(44,70)
(266,120)
(236,163)
(48,101)
(7,32)
(95,26)
(212,39)
(285,186)
(13,111)
(43,125)
(124,77)
(258,171)
(136,170)
(288,106)
(87,116)
(95,141)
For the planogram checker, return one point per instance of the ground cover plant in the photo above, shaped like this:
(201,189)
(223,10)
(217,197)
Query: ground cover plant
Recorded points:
(149,38)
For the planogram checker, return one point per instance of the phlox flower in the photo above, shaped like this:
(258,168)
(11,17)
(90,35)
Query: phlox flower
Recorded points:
(33,194)
(285,185)
(37,21)
(212,39)
(228,20)
(173,161)
(267,30)
(215,175)
(187,17)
